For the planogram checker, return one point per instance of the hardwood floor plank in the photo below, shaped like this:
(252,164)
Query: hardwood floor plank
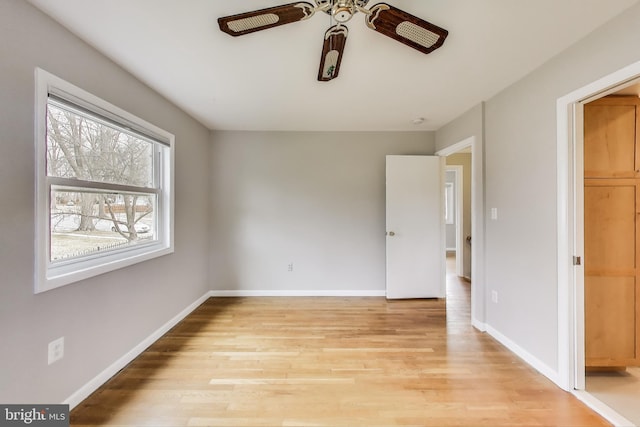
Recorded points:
(330,362)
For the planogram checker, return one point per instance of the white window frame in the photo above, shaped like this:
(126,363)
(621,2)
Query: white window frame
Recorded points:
(50,275)
(449,203)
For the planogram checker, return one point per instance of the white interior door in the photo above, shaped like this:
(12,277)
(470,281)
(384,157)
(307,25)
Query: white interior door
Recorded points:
(415,227)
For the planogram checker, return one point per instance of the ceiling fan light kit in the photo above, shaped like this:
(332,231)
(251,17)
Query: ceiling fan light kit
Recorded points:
(382,18)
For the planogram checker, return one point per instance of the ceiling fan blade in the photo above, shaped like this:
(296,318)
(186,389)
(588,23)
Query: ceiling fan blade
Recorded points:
(334,41)
(249,22)
(405,28)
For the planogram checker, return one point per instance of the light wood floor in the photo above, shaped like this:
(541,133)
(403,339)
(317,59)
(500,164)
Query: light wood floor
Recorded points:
(331,362)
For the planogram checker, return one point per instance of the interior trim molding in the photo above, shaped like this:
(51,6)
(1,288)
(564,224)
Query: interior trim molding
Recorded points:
(530,359)
(298,293)
(481,326)
(83,392)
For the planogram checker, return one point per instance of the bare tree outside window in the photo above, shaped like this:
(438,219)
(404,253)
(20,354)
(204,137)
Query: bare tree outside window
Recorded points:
(90,150)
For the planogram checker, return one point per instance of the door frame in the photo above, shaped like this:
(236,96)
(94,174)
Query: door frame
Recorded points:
(570,221)
(478,292)
(459,217)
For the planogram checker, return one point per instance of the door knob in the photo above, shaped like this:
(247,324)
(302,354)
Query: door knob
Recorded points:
(391,233)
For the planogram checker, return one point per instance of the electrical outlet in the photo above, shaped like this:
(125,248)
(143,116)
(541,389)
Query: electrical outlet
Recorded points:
(494,214)
(494,296)
(290,267)
(56,350)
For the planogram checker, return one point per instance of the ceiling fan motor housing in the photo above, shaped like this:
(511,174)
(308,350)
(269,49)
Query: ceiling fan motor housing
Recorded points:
(326,3)
(343,10)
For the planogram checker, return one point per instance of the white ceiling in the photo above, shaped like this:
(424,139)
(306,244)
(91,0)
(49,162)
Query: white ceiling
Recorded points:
(268,80)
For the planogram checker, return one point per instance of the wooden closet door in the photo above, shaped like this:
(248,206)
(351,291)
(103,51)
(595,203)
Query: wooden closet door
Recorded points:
(610,272)
(611,235)
(610,141)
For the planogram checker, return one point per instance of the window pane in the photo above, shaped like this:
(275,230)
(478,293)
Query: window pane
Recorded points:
(84,223)
(83,147)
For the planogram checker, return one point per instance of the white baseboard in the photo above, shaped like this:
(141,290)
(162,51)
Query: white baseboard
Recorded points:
(115,367)
(601,408)
(533,361)
(298,293)
(481,326)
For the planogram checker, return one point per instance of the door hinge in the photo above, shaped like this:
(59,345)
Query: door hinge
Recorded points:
(577,260)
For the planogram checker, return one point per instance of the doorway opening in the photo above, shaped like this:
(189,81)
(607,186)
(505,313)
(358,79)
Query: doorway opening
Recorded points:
(610,206)
(458,211)
(571,222)
(471,259)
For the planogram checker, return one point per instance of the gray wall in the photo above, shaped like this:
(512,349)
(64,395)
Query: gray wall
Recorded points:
(314,199)
(106,316)
(520,181)
(469,124)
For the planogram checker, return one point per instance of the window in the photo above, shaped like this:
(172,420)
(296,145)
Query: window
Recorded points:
(449,206)
(104,186)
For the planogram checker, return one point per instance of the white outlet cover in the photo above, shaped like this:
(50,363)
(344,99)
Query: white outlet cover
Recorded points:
(494,296)
(56,350)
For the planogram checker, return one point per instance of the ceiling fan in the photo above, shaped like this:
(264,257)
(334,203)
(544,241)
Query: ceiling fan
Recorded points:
(383,18)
